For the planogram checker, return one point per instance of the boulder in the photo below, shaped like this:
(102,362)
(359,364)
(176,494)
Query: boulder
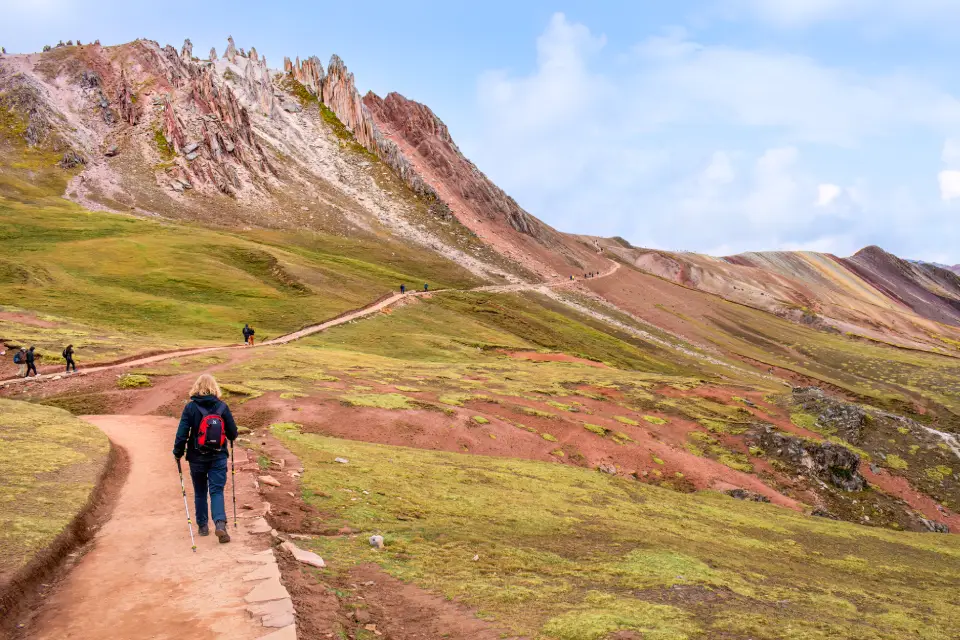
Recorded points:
(269,480)
(304,556)
(827,461)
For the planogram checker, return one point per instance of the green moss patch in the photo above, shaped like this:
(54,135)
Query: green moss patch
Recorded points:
(566,552)
(49,464)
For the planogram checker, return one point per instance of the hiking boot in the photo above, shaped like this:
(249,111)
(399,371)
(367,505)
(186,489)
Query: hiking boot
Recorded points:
(204,530)
(221,532)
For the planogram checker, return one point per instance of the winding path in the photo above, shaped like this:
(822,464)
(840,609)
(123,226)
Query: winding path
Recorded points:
(362,312)
(140,578)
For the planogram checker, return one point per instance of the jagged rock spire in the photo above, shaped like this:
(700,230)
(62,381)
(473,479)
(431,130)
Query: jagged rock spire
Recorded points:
(253,54)
(231,53)
(341,95)
(213,54)
(187,52)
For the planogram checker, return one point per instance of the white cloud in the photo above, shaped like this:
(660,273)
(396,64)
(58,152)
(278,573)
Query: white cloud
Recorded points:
(951,152)
(803,13)
(695,146)
(793,93)
(949,185)
(827,194)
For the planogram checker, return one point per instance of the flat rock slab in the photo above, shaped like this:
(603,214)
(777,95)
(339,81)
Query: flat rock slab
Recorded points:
(265,572)
(260,526)
(264,557)
(272,608)
(267,590)
(269,480)
(306,557)
(287,633)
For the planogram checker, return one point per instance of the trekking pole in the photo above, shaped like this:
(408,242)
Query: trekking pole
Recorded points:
(233,479)
(193,544)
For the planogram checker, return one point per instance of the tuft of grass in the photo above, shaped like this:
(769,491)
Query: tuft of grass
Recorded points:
(49,463)
(548,437)
(480,420)
(654,420)
(133,381)
(595,428)
(626,420)
(896,462)
(377,400)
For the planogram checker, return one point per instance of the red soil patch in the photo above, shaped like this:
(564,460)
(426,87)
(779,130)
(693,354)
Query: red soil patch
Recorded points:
(434,430)
(899,486)
(536,356)
(28,319)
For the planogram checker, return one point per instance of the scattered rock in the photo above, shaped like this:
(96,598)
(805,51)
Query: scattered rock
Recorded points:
(476,557)
(190,148)
(304,556)
(193,156)
(935,527)
(292,107)
(823,513)
(376,541)
(341,460)
(269,480)
(247,506)
(362,616)
(607,467)
(111,151)
(744,494)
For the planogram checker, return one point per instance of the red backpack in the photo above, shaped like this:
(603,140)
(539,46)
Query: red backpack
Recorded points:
(211,434)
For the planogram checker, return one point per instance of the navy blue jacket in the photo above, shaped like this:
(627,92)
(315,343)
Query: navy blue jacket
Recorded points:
(189,423)
(30,357)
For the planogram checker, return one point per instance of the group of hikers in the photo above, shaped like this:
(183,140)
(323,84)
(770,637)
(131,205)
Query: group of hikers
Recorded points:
(403,287)
(26,361)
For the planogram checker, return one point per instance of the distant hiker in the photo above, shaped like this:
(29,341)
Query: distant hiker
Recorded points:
(20,359)
(205,426)
(31,364)
(248,335)
(426,287)
(403,288)
(68,356)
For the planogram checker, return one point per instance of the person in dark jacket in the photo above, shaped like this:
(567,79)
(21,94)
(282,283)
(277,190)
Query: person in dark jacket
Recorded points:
(68,356)
(426,286)
(207,470)
(248,334)
(403,288)
(31,363)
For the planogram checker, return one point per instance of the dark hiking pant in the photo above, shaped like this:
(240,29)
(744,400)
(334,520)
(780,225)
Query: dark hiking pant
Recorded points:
(71,363)
(31,366)
(209,476)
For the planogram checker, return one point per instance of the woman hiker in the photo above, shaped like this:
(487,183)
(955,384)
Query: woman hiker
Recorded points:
(206,450)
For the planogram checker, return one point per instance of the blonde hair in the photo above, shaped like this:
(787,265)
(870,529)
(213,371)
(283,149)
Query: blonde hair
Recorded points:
(205,385)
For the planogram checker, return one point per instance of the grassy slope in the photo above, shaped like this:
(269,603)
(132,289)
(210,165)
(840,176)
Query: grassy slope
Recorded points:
(186,284)
(573,554)
(49,463)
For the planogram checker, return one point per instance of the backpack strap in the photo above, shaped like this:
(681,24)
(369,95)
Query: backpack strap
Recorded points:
(216,410)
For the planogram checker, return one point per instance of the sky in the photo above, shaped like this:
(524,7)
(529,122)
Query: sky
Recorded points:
(718,126)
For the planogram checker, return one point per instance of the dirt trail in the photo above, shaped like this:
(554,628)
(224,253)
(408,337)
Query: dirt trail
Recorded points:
(141,580)
(302,333)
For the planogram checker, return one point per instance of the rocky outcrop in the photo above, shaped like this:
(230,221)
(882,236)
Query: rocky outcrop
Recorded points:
(309,73)
(340,94)
(843,418)
(259,87)
(213,54)
(187,51)
(422,130)
(827,461)
(231,53)
(125,101)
